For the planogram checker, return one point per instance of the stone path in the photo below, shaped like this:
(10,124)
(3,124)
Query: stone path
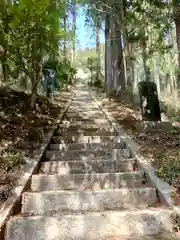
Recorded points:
(89,187)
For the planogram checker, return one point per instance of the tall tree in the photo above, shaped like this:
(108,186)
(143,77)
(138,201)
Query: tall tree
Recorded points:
(65,39)
(98,49)
(33,32)
(74,30)
(176,13)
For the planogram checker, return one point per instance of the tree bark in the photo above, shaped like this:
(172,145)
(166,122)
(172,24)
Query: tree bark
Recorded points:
(109,81)
(65,29)
(5,67)
(118,56)
(177,23)
(35,70)
(98,51)
(144,56)
(74,32)
(106,32)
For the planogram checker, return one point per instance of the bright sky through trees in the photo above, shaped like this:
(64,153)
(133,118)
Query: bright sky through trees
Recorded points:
(85,35)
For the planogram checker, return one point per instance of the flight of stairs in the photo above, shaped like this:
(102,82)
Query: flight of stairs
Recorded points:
(89,187)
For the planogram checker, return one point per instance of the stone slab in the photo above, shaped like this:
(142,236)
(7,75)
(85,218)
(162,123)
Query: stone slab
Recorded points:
(84,146)
(91,166)
(86,139)
(107,154)
(74,201)
(89,115)
(91,181)
(90,226)
(84,126)
(95,132)
(88,121)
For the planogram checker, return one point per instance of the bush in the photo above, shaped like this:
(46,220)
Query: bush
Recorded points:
(65,73)
(168,168)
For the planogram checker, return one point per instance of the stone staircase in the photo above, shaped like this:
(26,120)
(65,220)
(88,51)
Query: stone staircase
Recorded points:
(89,187)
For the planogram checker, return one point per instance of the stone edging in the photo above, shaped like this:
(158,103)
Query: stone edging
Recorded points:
(163,188)
(13,204)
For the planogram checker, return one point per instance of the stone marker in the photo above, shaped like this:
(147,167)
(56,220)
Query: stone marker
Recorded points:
(149,101)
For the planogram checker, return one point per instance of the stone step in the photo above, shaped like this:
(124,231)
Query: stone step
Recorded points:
(90,225)
(76,201)
(80,108)
(82,167)
(88,121)
(87,146)
(114,154)
(93,181)
(86,129)
(79,102)
(84,126)
(83,114)
(84,111)
(85,132)
(86,139)
(78,117)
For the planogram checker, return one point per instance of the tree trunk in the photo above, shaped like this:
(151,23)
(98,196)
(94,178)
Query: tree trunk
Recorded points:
(118,58)
(106,32)
(34,82)
(98,51)
(33,98)
(65,29)
(177,23)
(109,81)
(120,70)
(145,66)
(35,70)
(74,32)
(156,74)
(5,67)
(130,70)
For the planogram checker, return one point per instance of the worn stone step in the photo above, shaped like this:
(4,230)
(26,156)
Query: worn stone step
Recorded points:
(84,126)
(87,121)
(81,103)
(83,114)
(77,201)
(80,100)
(78,117)
(87,146)
(85,132)
(80,108)
(75,102)
(91,225)
(83,129)
(84,111)
(81,167)
(107,154)
(93,181)
(87,139)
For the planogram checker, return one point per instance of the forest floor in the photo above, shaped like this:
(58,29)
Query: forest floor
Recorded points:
(161,148)
(22,130)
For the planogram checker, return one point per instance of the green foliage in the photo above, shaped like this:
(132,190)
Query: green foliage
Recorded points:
(30,31)
(65,73)
(14,159)
(92,63)
(168,168)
